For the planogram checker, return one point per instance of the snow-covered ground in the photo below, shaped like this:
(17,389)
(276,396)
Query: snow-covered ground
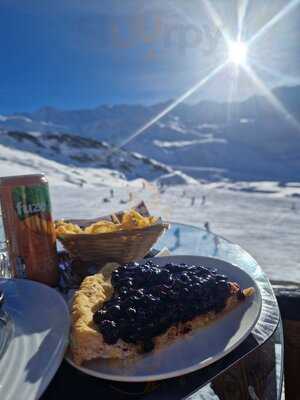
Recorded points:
(266,225)
(262,217)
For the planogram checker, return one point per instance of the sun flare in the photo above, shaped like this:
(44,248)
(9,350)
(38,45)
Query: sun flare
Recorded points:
(237,53)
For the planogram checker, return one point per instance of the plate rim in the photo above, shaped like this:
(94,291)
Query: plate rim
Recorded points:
(194,367)
(62,343)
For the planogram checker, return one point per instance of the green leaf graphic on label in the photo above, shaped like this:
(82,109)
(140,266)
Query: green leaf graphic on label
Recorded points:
(31,200)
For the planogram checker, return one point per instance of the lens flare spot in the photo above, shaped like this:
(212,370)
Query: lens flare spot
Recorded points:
(237,53)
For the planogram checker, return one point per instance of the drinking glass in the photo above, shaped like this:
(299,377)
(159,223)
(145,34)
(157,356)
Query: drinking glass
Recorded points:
(5,271)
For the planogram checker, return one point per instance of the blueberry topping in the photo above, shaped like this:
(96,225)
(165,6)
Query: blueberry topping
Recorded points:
(110,331)
(99,316)
(131,312)
(113,312)
(148,299)
(148,346)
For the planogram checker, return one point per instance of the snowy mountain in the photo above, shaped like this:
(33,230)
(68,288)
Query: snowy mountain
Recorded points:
(251,140)
(79,160)
(110,123)
(242,150)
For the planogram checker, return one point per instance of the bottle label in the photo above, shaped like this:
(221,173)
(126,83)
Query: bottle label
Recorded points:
(31,200)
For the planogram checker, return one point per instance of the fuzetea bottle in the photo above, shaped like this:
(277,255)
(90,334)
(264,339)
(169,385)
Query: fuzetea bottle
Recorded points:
(29,231)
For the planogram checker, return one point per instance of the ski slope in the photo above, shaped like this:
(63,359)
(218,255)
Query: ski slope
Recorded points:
(262,217)
(266,225)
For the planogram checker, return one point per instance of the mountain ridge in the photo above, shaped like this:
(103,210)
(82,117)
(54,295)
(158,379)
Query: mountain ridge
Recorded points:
(79,152)
(250,140)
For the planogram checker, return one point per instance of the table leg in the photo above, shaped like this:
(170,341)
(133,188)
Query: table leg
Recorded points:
(253,378)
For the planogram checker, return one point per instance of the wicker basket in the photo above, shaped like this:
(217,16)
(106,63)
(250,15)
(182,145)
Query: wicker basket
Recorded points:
(121,246)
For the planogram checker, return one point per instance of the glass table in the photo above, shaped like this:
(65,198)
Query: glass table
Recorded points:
(254,370)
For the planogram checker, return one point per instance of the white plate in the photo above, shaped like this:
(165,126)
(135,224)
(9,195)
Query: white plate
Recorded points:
(40,329)
(202,348)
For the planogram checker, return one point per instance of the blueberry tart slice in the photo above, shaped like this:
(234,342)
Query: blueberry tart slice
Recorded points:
(127,310)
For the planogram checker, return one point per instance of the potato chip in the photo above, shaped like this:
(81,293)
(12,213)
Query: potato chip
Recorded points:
(64,228)
(152,220)
(102,227)
(130,220)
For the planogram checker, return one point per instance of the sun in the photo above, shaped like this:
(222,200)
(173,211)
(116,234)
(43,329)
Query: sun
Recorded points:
(237,53)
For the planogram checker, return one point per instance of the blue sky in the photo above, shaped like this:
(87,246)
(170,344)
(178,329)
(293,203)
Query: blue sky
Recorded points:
(75,54)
